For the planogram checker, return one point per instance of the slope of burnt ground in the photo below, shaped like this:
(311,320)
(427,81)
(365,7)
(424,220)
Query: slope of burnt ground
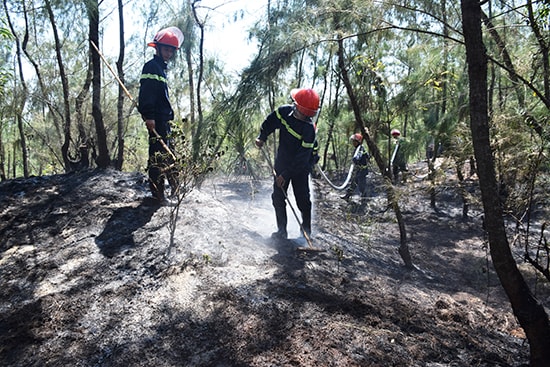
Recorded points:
(90,277)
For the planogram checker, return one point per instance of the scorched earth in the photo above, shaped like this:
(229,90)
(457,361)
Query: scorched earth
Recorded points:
(91,276)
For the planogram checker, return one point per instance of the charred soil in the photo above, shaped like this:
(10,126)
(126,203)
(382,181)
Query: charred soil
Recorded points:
(90,277)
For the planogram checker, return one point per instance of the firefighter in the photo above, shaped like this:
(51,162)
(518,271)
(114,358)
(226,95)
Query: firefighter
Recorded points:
(398,160)
(293,161)
(360,159)
(156,110)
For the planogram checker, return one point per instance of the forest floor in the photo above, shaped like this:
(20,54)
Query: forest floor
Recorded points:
(89,276)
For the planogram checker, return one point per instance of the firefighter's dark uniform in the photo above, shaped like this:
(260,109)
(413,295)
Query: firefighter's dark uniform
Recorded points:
(154,104)
(293,161)
(360,160)
(399,163)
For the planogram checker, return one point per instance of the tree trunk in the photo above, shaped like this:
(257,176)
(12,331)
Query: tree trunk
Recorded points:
(188,46)
(375,152)
(527,309)
(20,105)
(65,85)
(2,153)
(505,56)
(82,96)
(332,123)
(544,47)
(102,159)
(197,136)
(29,57)
(121,94)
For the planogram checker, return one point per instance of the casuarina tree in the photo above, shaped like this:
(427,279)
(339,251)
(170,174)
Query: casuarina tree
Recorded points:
(530,313)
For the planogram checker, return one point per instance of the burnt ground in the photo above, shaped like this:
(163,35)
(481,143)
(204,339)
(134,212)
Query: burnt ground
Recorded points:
(90,277)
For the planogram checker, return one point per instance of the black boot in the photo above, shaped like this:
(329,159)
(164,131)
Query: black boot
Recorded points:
(281,233)
(306,222)
(157,191)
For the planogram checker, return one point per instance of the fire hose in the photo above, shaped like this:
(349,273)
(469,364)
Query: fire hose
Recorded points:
(348,178)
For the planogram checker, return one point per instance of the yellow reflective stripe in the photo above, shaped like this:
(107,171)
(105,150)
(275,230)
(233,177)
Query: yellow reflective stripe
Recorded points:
(291,132)
(294,133)
(160,78)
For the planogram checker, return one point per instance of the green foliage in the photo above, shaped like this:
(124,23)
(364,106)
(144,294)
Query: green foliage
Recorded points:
(519,158)
(404,61)
(188,171)
(184,170)
(5,41)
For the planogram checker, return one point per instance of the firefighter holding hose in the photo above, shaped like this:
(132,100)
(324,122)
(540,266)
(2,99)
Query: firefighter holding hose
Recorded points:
(292,163)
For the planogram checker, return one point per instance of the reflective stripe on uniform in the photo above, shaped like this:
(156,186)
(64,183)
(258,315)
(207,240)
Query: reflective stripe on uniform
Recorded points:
(288,128)
(292,131)
(160,78)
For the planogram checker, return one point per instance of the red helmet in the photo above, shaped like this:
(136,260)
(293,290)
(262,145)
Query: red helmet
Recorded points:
(306,100)
(170,36)
(395,132)
(357,137)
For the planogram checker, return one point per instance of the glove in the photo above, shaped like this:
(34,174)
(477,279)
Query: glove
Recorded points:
(280,181)
(150,124)
(259,143)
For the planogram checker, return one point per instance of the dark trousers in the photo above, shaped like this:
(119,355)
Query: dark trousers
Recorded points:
(300,186)
(160,164)
(399,166)
(359,181)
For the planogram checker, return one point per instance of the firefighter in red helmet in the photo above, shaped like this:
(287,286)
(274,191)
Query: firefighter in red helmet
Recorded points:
(156,110)
(360,160)
(293,161)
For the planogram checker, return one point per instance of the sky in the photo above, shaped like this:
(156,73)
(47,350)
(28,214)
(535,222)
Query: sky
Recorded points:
(227,22)
(228,38)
